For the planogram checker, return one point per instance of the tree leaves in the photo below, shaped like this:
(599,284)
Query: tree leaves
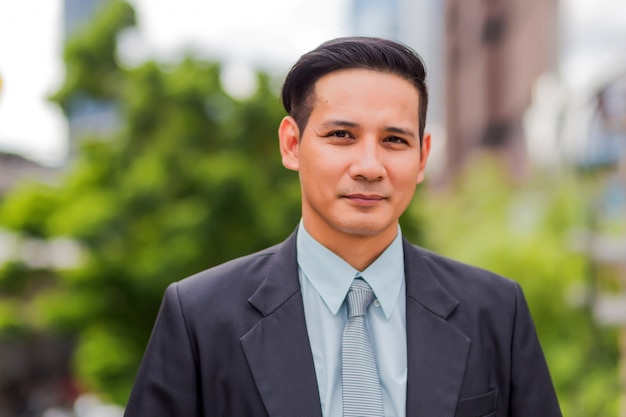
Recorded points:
(188,178)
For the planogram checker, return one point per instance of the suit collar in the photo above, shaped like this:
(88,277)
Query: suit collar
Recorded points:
(281,282)
(422,286)
(437,351)
(277,347)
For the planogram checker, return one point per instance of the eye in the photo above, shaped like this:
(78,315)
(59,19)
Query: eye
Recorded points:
(396,139)
(340,134)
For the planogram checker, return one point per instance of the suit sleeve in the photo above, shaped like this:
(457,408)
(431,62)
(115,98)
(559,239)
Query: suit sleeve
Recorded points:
(532,392)
(167,381)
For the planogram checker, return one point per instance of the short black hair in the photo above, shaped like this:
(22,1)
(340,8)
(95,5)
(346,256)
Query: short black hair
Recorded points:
(350,53)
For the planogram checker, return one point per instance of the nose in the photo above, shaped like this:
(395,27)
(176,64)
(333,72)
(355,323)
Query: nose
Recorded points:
(367,163)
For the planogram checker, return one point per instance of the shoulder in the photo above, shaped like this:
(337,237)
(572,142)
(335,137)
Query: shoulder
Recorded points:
(233,281)
(451,267)
(480,302)
(467,282)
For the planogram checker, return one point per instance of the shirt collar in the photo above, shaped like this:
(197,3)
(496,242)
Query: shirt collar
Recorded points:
(331,276)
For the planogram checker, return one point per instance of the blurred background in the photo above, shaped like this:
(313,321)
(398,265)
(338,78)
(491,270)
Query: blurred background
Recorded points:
(138,146)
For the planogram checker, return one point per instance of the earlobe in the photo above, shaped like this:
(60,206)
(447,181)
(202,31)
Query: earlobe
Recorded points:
(424,154)
(289,138)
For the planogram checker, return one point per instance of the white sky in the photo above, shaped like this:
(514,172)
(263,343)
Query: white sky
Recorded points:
(271,33)
(30,67)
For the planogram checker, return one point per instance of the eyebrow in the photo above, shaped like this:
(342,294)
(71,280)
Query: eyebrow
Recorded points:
(344,123)
(338,123)
(400,130)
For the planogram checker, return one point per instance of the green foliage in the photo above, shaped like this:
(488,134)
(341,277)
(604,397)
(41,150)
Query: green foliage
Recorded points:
(92,69)
(27,207)
(102,356)
(9,317)
(524,233)
(190,178)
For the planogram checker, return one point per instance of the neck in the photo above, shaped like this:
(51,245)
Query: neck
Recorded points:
(357,250)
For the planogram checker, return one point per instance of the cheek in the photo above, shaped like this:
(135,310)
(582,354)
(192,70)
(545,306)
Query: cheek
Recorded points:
(320,167)
(405,175)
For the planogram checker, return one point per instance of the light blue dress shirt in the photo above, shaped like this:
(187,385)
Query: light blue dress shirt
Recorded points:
(325,279)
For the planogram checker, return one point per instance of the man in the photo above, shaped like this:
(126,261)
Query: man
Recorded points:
(269,334)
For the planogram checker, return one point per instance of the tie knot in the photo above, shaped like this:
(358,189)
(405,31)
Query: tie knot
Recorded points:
(359,297)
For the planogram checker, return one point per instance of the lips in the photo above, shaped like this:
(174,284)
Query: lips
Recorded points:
(365,199)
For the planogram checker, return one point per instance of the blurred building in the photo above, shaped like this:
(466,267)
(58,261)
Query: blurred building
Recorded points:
(495,51)
(605,156)
(378,18)
(77,12)
(35,374)
(607,131)
(15,168)
(87,117)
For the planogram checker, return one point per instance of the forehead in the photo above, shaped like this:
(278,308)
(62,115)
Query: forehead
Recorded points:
(365,89)
(342,79)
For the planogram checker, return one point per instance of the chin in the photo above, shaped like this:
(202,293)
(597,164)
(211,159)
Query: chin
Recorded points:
(363,229)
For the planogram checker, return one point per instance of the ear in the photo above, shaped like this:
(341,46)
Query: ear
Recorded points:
(289,139)
(424,153)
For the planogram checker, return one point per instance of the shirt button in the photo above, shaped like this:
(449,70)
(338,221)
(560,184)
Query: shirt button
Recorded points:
(377,303)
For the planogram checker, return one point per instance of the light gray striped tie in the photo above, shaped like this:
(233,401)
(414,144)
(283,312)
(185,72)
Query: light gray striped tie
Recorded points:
(361,387)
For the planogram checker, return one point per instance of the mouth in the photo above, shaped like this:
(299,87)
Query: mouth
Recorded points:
(364,199)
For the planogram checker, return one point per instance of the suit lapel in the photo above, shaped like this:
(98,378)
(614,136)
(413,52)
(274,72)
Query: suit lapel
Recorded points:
(437,351)
(279,355)
(277,347)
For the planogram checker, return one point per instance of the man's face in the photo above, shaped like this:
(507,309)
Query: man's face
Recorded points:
(359,157)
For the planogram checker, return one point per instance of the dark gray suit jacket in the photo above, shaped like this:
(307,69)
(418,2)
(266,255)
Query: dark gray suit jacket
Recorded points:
(232,341)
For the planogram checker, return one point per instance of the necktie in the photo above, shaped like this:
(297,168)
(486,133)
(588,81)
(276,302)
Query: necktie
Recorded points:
(362,395)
